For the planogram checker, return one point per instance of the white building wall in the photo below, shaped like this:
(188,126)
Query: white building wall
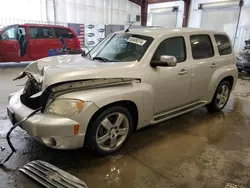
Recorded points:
(180,13)
(74,11)
(96,11)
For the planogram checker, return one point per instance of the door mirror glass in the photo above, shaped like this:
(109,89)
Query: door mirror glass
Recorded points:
(165,61)
(170,60)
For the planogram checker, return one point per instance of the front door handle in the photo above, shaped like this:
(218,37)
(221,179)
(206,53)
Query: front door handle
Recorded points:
(213,65)
(182,72)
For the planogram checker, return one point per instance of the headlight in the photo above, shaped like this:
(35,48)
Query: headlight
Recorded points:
(66,107)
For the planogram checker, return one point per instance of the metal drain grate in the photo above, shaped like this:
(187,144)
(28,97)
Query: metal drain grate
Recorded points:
(51,176)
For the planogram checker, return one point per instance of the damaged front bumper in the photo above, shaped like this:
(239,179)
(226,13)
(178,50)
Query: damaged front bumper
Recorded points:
(51,130)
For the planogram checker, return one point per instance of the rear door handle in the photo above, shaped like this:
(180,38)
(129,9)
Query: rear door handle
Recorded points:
(213,65)
(182,72)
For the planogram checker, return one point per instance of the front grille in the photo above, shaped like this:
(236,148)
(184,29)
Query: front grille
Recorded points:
(51,176)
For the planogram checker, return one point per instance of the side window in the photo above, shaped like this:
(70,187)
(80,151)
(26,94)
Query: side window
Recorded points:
(33,31)
(223,44)
(40,32)
(9,34)
(63,32)
(201,46)
(172,46)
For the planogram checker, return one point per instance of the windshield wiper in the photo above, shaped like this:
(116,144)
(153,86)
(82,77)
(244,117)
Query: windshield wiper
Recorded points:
(101,58)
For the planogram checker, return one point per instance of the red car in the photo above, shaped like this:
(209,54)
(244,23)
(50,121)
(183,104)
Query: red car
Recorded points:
(29,42)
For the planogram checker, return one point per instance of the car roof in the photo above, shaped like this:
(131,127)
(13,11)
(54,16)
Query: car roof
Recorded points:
(39,25)
(159,31)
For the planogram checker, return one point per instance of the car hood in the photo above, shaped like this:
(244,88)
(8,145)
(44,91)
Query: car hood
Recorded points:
(66,68)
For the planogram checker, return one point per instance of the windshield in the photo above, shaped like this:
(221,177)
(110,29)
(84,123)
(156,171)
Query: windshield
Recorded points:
(121,47)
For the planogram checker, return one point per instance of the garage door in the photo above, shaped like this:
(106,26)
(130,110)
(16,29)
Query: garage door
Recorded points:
(164,17)
(220,17)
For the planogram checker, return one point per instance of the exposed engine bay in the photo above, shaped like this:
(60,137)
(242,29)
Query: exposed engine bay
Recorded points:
(31,87)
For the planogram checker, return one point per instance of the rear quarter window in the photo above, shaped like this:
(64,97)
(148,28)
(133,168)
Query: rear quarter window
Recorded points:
(64,32)
(223,44)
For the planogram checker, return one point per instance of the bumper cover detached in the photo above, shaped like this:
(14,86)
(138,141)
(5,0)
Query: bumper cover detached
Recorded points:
(53,131)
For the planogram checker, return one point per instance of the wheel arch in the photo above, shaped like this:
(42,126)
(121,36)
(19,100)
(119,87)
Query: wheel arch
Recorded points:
(230,74)
(130,105)
(214,106)
(230,79)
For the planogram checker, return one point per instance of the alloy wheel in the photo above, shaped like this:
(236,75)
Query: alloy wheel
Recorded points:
(222,96)
(112,131)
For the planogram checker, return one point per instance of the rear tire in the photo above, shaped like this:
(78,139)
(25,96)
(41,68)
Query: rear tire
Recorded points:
(220,97)
(110,130)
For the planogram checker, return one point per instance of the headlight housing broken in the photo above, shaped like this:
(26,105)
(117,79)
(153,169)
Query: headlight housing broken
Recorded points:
(66,107)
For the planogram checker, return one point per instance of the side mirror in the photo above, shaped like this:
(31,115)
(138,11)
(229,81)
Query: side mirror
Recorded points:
(165,61)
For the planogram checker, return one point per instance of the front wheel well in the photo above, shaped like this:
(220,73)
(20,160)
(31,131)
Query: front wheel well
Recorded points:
(131,106)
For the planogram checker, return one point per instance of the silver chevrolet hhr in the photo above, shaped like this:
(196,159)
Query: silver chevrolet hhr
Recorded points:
(128,81)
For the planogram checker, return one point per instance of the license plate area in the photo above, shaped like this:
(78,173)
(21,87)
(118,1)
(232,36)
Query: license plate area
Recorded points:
(11,116)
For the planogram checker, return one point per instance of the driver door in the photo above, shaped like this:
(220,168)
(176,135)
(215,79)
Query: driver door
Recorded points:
(171,84)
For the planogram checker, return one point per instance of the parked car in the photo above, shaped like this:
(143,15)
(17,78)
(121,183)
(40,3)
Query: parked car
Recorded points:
(29,42)
(243,58)
(128,81)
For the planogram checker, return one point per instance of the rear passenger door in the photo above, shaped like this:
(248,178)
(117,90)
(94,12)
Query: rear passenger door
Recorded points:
(41,40)
(203,65)
(68,36)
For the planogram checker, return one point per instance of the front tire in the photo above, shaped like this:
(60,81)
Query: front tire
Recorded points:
(221,97)
(110,130)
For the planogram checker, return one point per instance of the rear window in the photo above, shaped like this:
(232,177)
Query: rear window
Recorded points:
(63,32)
(201,46)
(223,44)
(40,32)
